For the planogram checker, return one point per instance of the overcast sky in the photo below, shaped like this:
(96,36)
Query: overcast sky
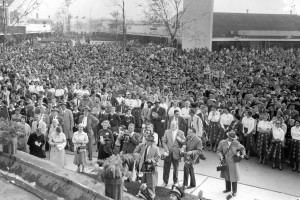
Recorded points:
(102,8)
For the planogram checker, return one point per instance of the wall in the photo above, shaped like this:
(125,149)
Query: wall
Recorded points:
(197,24)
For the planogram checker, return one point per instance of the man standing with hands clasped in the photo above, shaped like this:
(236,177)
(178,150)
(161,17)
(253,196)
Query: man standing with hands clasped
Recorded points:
(172,140)
(230,151)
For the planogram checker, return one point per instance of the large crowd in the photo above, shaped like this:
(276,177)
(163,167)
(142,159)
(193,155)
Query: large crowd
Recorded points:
(74,97)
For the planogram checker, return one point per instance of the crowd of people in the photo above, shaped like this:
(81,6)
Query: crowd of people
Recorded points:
(74,97)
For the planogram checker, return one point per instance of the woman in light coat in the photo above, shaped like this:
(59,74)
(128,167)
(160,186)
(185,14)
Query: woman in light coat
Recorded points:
(80,139)
(58,141)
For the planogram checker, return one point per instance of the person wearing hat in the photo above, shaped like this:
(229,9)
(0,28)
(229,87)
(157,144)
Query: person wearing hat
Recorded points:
(88,121)
(158,117)
(147,155)
(68,124)
(176,193)
(227,149)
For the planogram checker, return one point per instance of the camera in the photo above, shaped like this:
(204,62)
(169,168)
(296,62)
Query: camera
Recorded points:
(148,167)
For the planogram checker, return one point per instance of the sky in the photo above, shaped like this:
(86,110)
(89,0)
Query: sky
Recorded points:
(103,8)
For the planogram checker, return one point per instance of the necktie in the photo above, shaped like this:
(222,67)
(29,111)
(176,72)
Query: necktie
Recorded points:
(145,154)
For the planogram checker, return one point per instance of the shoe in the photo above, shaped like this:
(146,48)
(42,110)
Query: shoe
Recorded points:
(184,187)
(229,196)
(233,194)
(247,157)
(226,191)
(274,166)
(294,169)
(280,168)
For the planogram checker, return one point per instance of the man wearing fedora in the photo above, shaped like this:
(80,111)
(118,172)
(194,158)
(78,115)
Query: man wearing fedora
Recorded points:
(148,155)
(68,124)
(227,150)
(88,121)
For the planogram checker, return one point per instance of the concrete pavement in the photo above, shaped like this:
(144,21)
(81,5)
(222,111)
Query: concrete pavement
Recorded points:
(258,182)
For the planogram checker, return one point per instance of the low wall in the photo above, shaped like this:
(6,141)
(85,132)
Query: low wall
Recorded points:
(59,181)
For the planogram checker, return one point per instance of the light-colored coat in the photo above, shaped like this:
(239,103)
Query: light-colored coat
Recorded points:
(68,123)
(153,154)
(232,172)
(169,145)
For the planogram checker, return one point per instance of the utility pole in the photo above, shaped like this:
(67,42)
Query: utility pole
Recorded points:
(4,27)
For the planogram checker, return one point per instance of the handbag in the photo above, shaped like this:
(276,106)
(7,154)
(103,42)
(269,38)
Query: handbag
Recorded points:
(223,165)
(80,148)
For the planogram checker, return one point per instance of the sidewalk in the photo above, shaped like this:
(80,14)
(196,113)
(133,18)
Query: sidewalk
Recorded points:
(213,186)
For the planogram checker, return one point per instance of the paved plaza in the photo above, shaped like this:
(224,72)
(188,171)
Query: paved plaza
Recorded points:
(258,182)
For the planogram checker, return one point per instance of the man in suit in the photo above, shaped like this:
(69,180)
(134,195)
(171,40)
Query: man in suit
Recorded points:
(88,121)
(68,124)
(54,115)
(122,108)
(181,124)
(45,117)
(38,123)
(196,122)
(158,117)
(226,151)
(112,100)
(148,155)
(115,121)
(145,114)
(193,148)
(172,140)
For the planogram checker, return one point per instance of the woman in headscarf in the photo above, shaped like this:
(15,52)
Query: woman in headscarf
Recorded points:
(80,139)
(295,146)
(57,141)
(276,148)
(264,128)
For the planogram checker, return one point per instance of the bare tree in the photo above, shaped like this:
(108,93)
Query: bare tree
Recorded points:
(25,8)
(115,23)
(166,12)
